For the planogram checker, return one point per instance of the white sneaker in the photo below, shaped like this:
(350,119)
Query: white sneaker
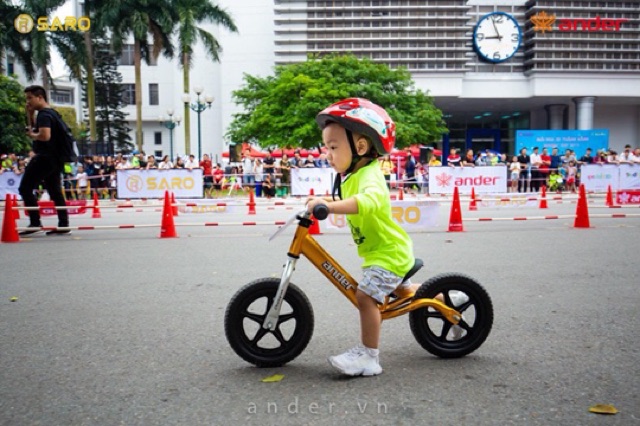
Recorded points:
(357,361)
(457,299)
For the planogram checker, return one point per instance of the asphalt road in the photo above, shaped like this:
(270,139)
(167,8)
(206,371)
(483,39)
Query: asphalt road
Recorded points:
(118,326)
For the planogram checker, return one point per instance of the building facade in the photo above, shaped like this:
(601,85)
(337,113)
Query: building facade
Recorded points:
(577,65)
(577,68)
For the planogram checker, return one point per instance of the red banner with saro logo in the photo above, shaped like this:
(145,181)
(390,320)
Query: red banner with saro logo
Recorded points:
(484,180)
(48,207)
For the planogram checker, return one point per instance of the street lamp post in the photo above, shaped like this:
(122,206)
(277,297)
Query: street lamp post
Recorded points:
(171,123)
(199,106)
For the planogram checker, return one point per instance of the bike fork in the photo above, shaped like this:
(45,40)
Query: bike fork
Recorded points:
(271,320)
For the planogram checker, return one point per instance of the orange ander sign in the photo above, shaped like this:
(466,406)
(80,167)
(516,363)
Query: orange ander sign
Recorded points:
(543,22)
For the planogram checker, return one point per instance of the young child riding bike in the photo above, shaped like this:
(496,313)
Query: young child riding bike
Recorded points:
(355,132)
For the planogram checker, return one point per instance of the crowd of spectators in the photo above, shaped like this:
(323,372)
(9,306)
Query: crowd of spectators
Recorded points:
(560,172)
(525,172)
(269,176)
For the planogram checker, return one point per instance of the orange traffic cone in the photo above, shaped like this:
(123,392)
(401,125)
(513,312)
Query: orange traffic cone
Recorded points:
(609,201)
(314,229)
(167,228)
(472,205)
(582,212)
(401,194)
(252,202)
(455,219)
(543,198)
(311,192)
(9,231)
(174,206)
(96,209)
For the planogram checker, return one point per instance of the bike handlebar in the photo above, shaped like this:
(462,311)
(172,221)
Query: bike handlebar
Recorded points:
(321,211)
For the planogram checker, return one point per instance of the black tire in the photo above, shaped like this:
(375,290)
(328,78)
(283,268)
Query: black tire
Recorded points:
(265,348)
(434,333)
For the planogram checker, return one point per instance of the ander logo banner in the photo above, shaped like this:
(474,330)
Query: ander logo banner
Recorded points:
(543,22)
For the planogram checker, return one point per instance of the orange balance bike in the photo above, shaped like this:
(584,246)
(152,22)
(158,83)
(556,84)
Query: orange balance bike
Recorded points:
(269,321)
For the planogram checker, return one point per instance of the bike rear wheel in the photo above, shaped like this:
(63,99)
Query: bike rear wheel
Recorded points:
(245,315)
(435,333)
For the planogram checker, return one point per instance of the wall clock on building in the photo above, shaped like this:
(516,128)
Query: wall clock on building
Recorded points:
(497,37)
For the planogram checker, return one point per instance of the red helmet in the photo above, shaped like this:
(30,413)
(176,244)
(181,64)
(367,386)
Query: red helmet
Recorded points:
(362,116)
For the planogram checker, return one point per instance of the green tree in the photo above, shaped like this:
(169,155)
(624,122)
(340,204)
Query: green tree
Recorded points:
(42,41)
(11,41)
(138,19)
(90,90)
(111,124)
(69,116)
(190,13)
(72,46)
(13,117)
(280,110)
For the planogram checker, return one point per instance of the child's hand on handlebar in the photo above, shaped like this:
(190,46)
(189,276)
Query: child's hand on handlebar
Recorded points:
(314,201)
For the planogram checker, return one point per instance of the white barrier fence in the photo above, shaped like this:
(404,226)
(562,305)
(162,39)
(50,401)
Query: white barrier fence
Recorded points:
(9,184)
(318,179)
(597,178)
(184,183)
(442,180)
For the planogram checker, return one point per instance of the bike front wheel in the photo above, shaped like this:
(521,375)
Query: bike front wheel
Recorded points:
(245,315)
(435,333)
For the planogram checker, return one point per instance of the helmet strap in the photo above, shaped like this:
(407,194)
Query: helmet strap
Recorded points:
(336,187)
(354,153)
(355,158)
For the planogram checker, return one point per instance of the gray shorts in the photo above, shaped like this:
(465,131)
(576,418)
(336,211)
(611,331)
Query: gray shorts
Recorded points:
(378,283)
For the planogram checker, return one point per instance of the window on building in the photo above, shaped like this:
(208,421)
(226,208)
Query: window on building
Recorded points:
(157,138)
(158,154)
(10,68)
(154,97)
(129,94)
(126,58)
(62,96)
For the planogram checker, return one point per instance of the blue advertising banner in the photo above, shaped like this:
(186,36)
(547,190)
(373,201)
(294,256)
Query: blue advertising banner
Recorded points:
(577,140)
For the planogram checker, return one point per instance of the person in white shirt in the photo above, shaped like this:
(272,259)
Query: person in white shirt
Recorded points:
(191,163)
(626,157)
(258,173)
(165,164)
(82,183)
(514,170)
(248,177)
(536,177)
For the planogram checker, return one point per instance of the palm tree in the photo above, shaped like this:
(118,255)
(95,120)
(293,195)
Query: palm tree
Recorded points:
(190,14)
(40,41)
(71,45)
(139,19)
(11,41)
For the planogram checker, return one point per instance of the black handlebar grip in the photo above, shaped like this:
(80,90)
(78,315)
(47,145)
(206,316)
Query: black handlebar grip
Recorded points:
(321,211)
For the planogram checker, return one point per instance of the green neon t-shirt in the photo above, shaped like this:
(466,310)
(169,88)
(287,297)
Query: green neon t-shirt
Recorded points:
(380,240)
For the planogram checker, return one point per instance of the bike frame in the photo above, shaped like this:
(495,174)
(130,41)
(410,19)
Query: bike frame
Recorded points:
(304,244)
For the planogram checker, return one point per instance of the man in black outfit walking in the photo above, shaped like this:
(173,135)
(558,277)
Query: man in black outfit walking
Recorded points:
(46,166)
